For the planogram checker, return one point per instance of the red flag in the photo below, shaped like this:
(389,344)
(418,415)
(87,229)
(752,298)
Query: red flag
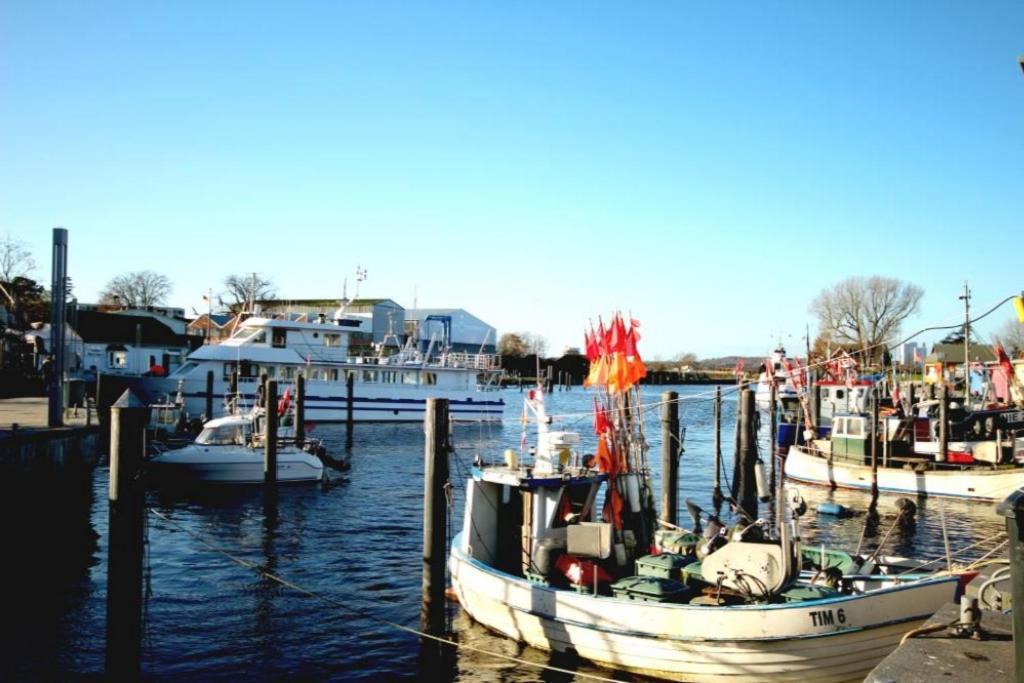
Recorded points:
(602,338)
(601,422)
(617,337)
(285,402)
(1004,361)
(591,345)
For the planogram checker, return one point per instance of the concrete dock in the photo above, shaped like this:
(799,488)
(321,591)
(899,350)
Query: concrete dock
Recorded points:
(942,657)
(28,446)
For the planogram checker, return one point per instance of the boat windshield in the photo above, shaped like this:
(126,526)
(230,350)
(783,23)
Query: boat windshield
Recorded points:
(223,435)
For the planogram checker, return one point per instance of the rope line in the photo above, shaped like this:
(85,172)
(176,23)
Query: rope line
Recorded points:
(366,615)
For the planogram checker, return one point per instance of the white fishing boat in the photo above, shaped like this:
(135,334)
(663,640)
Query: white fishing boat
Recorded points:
(535,561)
(380,388)
(230,450)
(775,369)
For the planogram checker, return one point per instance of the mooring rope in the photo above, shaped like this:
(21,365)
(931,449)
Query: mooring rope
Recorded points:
(366,615)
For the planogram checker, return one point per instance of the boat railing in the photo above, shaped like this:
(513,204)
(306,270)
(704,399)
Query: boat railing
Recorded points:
(474,361)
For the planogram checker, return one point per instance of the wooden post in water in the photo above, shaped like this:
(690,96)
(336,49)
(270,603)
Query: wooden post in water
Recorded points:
(943,453)
(58,295)
(209,395)
(435,514)
(548,374)
(873,432)
(124,564)
(669,456)
(270,433)
(716,493)
(773,437)
(263,391)
(747,494)
(300,410)
(815,400)
(350,380)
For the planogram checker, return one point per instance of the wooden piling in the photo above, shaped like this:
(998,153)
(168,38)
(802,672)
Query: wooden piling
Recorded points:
(943,453)
(874,447)
(209,395)
(746,493)
(716,493)
(773,437)
(270,433)
(124,563)
(300,411)
(350,380)
(670,456)
(435,514)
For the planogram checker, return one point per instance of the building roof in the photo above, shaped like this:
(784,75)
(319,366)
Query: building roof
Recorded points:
(97,327)
(954,353)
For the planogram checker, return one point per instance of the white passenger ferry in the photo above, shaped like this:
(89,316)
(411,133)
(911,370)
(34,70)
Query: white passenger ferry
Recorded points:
(385,388)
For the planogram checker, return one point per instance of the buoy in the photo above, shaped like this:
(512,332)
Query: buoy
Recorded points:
(762,481)
(831,509)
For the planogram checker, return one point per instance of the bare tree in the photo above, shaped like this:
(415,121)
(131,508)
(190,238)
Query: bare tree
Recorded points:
(246,290)
(15,259)
(1011,336)
(521,344)
(137,289)
(867,312)
(535,343)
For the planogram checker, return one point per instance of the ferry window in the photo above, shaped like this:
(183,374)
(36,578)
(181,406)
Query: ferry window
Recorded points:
(334,375)
(839,427)
(229,368)
(839,394)
(288,373)
(854,428)
(271,371)
(280,338)
(369,376)
(409,378)
(824,392)
(430,378)
(260,337)
(332,339)
(314,374)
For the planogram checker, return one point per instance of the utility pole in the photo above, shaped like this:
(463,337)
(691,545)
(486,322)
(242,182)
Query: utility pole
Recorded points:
(966,298)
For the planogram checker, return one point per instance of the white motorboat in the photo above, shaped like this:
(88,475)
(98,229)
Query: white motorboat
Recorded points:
(230,450)
(381,388)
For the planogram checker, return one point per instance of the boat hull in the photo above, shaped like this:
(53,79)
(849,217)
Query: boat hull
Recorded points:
(325,401)
(232,465)
(981,484)
(838,639)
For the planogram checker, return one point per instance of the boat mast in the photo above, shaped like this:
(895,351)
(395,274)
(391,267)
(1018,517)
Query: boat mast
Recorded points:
(966,298)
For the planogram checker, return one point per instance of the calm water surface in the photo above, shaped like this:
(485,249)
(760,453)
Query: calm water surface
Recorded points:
(358,542)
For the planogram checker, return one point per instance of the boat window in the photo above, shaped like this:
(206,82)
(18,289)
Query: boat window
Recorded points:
(369,376)
(334,374)
(570,505)
(280,338)
(223,435)
(288,372)
(185,369)
(259,338)
(825,392)
(430,378)
(409,378)
(854,427)
(229,368)
(839,394)
(839,426)
(332,339)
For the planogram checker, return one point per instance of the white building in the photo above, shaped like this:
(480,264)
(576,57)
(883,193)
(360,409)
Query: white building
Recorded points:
(465,332)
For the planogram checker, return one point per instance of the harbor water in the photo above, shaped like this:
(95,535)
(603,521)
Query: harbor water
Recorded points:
(357,543)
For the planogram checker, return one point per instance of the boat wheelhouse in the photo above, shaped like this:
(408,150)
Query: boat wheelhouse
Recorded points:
(380,388)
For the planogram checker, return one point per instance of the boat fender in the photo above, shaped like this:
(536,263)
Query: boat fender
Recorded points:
(831,509)
(620,554)
(761,479)
(633,491)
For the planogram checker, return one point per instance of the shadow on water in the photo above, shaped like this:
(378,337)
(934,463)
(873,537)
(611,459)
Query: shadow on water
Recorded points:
(50,547)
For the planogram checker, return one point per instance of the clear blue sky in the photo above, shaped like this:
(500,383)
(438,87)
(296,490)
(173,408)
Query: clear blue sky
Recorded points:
(709,167)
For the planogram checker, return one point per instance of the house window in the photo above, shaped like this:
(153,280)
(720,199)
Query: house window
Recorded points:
(280,338)
(332,340)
